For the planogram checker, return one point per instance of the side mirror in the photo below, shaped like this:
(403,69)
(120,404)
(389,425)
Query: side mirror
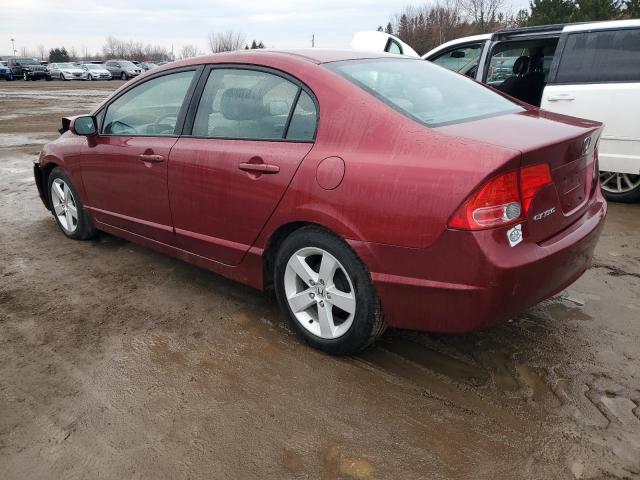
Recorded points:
(85,126)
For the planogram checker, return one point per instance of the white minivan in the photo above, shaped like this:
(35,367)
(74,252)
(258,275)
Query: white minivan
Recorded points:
(588,70)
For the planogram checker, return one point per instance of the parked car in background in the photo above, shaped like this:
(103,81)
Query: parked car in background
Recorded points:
(67,71)
(122,69)
(146,66)
(588,70)
(366,189)
(5,72)
(96,72)
(27,69)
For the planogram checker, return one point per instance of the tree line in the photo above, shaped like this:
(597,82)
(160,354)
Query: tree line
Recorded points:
(426,26)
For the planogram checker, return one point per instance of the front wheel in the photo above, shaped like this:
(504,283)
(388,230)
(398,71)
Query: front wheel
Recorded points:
(90,78)
(25,77)
(67,208)
(620,187)
(123,76)
(326,292)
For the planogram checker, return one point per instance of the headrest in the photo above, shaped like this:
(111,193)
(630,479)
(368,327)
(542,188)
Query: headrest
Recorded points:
(241,104)
(537,64)
(520,65)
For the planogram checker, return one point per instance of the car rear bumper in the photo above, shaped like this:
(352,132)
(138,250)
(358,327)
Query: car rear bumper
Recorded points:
(471,280)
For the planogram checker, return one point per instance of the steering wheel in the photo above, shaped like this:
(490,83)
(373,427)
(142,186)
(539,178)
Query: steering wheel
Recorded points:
(158,122)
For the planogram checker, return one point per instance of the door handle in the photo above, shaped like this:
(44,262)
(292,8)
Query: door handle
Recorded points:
(259,167)
(561,96)
(150,158)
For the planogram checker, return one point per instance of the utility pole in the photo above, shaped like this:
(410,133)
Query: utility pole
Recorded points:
(13,46)
(313,40)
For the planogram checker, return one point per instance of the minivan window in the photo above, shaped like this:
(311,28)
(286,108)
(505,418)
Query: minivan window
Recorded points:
(244,104)
(601,56)
(460,59)
(424,92)
(149,109)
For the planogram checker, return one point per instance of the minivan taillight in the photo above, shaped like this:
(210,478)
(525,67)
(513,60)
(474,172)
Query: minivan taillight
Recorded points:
(501,200)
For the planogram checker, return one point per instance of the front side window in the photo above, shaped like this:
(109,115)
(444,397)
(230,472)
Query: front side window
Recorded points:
(601,56)
(419,90)
(251,104)
(461,59)
(149,109)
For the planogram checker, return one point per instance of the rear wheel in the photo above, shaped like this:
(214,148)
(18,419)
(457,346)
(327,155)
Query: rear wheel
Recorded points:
(67,208)
(326,292)
(620,187)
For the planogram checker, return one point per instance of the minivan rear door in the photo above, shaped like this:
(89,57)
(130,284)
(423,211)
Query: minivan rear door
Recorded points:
(596,75)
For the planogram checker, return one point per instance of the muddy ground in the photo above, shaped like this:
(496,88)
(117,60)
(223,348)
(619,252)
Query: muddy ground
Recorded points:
(117,362)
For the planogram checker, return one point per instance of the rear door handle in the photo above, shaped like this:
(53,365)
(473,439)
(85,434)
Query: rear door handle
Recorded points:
(151,158)
(259,167)
(562,96)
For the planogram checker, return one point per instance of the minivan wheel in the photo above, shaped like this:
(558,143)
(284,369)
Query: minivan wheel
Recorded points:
(25,77)
(620,187)
(326,292)
(67,208)
(123,76)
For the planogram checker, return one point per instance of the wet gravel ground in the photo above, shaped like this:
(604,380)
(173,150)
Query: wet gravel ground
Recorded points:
(118,362)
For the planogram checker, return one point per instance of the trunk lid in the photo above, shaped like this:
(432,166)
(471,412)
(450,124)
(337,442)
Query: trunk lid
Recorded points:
(568,145)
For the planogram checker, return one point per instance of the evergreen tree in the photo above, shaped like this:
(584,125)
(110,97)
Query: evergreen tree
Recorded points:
(632,9)
(254,45)
(57,55)
(380,29)
(593,10)
(546,12)
(389,29)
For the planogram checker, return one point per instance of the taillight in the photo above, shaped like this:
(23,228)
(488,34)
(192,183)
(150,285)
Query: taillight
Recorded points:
(533,179)
(496,203)
(502,199)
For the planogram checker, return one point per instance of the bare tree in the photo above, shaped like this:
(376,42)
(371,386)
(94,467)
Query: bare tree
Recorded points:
(188,51)
(226,41)
(41,52)
(484,13)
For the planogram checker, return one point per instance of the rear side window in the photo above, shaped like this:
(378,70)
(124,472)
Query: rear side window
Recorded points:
(606,56)
(253,105)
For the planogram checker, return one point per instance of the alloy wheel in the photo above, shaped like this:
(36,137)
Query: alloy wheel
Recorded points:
(616,182)
(25,77)
(319,292)
(64,206)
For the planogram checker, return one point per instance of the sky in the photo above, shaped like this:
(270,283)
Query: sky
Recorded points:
(278,23)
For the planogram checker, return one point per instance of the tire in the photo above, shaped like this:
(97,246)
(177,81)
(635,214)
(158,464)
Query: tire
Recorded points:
(25,77)
(62,77)
(620,187)
(79,227)
(347,332)
(123,76)
(48,78)
(90,78)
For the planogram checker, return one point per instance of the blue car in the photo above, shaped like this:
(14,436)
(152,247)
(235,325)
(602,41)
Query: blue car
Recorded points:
(5,72)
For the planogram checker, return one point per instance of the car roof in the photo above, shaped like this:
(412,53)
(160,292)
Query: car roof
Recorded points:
(312,55)
(581,27)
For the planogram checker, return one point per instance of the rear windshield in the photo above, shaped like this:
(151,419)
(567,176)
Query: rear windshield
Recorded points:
(429,94)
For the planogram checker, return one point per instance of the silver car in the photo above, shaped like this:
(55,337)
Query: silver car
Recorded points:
(96,72)
(123,69)
(67,71)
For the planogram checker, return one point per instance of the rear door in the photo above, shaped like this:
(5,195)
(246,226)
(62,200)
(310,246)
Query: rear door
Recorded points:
(249,130)
(596,75)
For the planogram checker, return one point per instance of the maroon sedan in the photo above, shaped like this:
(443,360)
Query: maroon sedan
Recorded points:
(367,190)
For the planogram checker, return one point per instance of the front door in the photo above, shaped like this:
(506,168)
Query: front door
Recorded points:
(124,168)
(251,130)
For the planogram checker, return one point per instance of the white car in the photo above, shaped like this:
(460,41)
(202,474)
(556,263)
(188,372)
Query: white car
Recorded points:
(588,70)
(67,71)
(96,71)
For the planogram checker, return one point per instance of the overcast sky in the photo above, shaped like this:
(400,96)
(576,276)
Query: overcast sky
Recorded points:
(278,23)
